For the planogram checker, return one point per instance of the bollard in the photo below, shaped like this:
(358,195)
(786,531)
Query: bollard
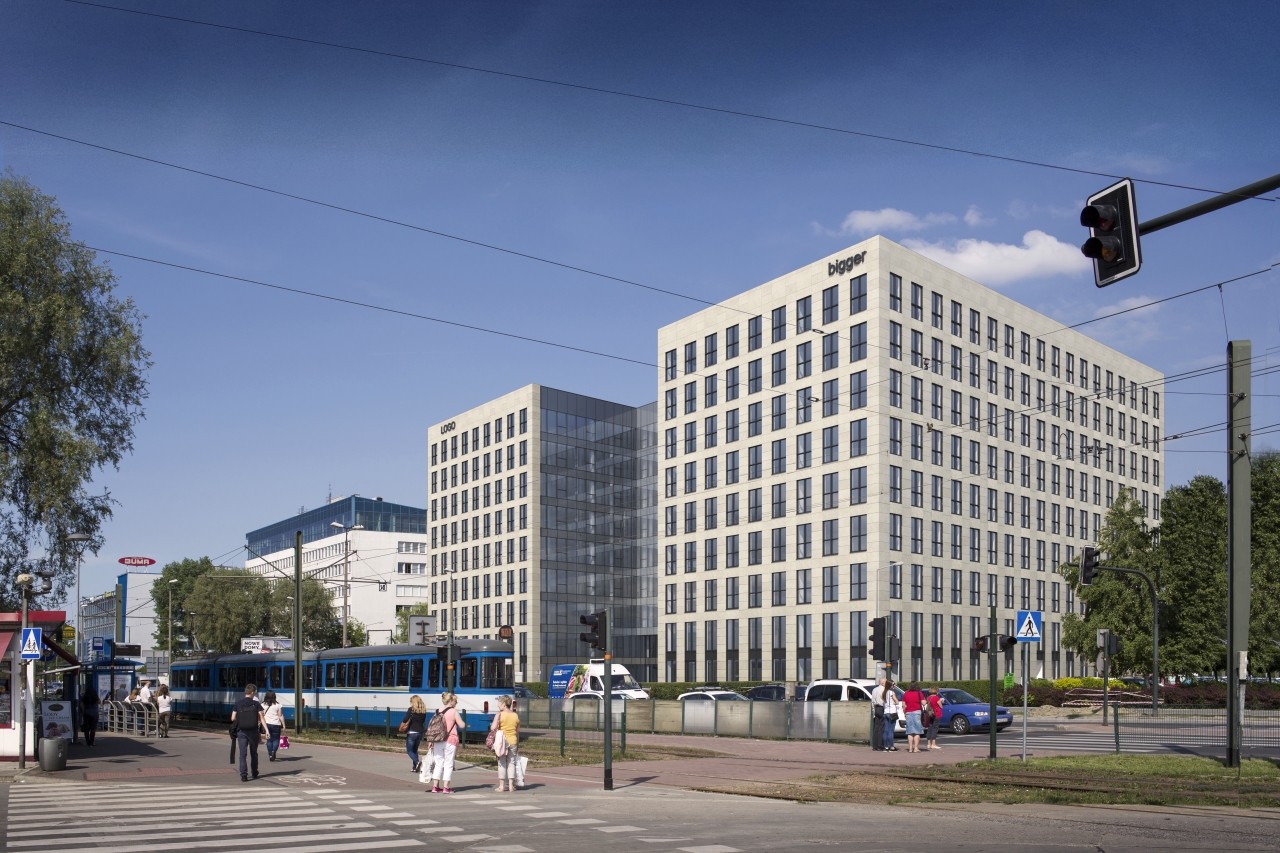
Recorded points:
(388,722)
(1115,716)
(357,718)
(562,734)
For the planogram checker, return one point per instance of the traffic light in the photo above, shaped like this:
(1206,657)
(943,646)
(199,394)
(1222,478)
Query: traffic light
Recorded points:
(895,648)
(1088,566)
(1113,645)
(877,638)
(1112,219)
(981,644)
(598,623)
(1008,643)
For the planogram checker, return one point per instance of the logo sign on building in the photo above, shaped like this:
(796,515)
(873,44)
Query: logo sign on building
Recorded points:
(137,561)
(265,645)
(1028,623)
(31,644)
(844,265)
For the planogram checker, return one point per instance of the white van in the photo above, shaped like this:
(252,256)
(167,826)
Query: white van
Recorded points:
(590,684)
(849,690)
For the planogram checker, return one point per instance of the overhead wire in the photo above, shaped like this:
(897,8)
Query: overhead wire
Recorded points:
(647,98)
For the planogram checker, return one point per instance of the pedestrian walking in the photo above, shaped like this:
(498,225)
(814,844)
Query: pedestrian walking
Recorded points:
(89,703)
(443,731)
(144,692)
(506,744)
(892,707)
(273,717)
(164,707)
(413,726)
(935,707)
(913,703)
(248,723)
(877,715)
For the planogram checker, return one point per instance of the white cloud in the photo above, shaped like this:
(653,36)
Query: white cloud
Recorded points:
(994,264)
(1019,209)
(974,217)
(890,219)
(1136,326)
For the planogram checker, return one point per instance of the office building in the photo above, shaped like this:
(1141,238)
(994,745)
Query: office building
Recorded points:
(124,614)
(877,435)
(542,508)
(384,570)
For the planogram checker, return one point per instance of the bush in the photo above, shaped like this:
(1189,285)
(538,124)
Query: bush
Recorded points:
(1095,683)
(1038,696)
(538,688)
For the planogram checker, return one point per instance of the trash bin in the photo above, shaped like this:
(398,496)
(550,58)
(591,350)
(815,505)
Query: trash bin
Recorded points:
(53,754)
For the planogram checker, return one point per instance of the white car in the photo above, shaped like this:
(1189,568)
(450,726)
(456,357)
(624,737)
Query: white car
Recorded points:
(711,696)
(849,690)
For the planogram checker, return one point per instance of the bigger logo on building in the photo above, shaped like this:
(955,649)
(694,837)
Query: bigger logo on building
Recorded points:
(843,265)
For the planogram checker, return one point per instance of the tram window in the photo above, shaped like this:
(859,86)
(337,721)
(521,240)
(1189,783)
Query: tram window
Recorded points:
(308,677)
(433,672)
(342,675)
(402,673)
(364,673)
(288,677)
(375,674)
(353,674)
(276,680)
(262,676)
(467,672)
(330,672)
(496,673)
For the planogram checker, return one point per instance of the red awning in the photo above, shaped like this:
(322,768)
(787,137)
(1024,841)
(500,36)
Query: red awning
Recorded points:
(5,638)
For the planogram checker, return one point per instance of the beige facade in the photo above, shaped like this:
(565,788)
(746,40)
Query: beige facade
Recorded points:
(877,435)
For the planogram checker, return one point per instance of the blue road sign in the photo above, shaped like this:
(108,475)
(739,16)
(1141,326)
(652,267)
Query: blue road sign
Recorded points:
(1028,626)
(97,644)
(31,647)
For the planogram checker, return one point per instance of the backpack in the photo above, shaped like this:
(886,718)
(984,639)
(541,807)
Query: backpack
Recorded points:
(436,731)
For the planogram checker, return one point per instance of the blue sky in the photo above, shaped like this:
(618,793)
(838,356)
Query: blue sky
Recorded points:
(261,402)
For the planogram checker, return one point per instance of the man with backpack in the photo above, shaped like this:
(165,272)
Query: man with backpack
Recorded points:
(248,722)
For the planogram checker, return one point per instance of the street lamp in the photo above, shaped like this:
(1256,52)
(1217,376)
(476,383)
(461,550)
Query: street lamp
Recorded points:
(80,539)
(346,570)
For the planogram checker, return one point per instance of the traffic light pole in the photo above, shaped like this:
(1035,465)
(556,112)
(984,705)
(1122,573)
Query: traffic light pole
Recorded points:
(1210,205)
(991,667)
(1155,636)
(608,700)
(297,633)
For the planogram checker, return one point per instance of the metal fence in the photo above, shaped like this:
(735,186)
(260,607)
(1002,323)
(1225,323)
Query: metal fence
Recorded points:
(827,721)
(1192,727)
(130,718)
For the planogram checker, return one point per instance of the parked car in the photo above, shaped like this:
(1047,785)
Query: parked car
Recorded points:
(768,693)
(849,690)
(709,695)
(963,712)
(522,692)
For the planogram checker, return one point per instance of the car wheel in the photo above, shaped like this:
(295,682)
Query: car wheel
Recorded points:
(960,724)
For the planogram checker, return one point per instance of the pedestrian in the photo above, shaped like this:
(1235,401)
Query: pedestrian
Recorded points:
(144,692)
(935,705)
(133,695)
(892,707)
(248,723)
(506,725)
(273,717)
(877,715)
(444,742)
(164,705)
(412,727)
(913,704)
(89,714)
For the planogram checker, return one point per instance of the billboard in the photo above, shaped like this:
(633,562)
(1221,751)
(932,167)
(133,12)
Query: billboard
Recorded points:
(265,645)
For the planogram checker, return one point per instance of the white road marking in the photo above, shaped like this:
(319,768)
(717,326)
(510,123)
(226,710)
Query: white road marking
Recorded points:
(619,829)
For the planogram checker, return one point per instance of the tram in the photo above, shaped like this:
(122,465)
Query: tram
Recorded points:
(337,682)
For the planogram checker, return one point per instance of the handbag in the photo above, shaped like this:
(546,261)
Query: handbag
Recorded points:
(404,727)
(284,742)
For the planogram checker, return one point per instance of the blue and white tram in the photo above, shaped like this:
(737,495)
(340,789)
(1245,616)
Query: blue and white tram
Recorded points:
(337,682)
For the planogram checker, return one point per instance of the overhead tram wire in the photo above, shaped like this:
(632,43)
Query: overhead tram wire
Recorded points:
(650,98)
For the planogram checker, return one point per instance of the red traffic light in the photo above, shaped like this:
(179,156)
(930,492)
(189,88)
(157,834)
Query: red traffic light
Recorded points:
(1007,643)
(1100,216)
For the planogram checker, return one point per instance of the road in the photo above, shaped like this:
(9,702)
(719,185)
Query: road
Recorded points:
(181,794)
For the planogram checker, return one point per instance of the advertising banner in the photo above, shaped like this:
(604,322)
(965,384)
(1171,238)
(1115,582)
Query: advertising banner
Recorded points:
(57,718)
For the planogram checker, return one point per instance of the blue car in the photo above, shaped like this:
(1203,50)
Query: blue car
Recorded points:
(963,712)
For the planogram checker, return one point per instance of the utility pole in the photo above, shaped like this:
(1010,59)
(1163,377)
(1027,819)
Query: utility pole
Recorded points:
(608,700)
(24,589)
(1239,525)
(346,572)
(297,632)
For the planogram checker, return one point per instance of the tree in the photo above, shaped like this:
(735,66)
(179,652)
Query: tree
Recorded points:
(72,384)
(185,572)
(1193,592)
(1117,601)
(1264,622)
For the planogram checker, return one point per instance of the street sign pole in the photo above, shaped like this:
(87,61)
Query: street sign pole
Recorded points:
(1027,630)
(991,670)
(1025,688)
(608,700)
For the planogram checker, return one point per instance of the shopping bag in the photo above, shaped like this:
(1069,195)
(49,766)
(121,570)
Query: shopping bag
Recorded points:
(284,742)
(426,766)
(520,768)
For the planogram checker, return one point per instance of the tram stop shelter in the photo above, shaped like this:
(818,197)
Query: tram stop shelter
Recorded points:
(50,622)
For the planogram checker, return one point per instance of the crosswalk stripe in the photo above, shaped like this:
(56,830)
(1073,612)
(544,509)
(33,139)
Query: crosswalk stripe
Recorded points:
(228,819)
(29,829)
(170,797)
(86,836)
(441,829)
(231,811)
(465,838)
(273,842)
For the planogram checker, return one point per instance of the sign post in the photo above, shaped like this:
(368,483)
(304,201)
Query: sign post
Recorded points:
(1028,632)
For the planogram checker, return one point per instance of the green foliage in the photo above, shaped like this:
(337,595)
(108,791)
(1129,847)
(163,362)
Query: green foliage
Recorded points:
(185,572)
(541,689)
(1193,594)
(222,605)
(72,383)
(1264,622)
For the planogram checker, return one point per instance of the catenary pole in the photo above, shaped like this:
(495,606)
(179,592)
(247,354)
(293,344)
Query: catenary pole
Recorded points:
(297,632)
(608,699)
(993,640)
(1239,523)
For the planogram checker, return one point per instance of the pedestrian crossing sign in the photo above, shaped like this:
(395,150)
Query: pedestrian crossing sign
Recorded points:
(1028,623)
(31,648)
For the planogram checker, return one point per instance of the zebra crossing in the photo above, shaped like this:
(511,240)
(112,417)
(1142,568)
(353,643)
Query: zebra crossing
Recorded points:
(122,818)
(1095,742)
